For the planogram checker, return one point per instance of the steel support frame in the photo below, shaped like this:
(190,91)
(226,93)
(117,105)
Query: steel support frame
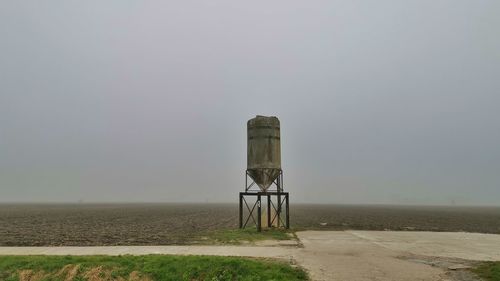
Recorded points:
(282,206)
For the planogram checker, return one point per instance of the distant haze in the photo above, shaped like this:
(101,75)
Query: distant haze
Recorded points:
(392,102)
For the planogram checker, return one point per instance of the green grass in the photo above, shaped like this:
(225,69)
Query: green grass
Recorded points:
(238,236)
(151,267)
(489,271)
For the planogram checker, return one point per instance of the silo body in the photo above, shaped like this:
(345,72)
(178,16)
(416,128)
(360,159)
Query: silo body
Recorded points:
(263,150)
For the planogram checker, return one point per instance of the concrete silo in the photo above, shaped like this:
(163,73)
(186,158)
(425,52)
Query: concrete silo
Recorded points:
(264,176)
(263,150)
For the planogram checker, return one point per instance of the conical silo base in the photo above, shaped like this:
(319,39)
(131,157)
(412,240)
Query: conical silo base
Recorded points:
(264,177)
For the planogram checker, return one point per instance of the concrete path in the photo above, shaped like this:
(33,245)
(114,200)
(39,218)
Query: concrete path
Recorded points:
(377,255)
(469,246)
(344,256)
(238,251)
(332,255)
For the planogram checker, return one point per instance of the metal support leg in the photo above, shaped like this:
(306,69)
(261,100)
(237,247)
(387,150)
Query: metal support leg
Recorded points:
(241,210)
(279,208)
(274,209)
(268,210)
(259,214)
(287,211)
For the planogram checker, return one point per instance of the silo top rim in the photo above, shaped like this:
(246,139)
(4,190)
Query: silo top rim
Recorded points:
(264,119)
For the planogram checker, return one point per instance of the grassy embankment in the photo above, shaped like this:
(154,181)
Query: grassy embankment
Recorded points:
(143,268)
(489,271)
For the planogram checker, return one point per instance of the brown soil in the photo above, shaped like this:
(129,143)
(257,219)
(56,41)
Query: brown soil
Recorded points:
(400,218)
(167,224)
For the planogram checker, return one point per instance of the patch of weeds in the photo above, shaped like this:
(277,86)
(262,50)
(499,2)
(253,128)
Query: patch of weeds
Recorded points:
(489,271)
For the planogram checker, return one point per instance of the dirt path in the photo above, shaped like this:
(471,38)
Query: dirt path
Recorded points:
(337,255)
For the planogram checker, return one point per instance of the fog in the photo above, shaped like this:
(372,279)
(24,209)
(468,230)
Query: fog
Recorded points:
(380,102)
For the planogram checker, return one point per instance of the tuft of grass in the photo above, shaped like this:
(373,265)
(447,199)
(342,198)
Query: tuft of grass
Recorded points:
(238,236)
(489,271)
(150,267)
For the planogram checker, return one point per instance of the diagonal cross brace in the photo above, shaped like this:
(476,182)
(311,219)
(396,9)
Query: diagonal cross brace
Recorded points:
(250,212)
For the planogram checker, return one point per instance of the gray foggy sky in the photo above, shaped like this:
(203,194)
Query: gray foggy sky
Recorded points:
(380,101)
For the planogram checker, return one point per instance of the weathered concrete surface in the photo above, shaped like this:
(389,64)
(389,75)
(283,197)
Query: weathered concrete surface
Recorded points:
(329,255)
(332,255)
(469,246)
(239,251)
(375,255)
